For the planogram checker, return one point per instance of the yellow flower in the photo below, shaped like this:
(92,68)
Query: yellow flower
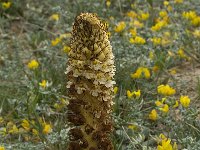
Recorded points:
(120,26)
(158,103)
(175,105)
(165,108)
(189,15)
(165,90)
(25,124)
(66,49)
(137,24)
(153,115)
(6,5)
(131,14)
(58,106)
(35,132)
(166,3)
(165,145)
(108,3)
(178,1)
(3,131)
(55,17)
(43,84)
(137,93)
(56,41)
(169,8)
(181,53)
(175,147)
(1,120)
(196,21)
(156,40)
(172,71)
(162,136)
(33,64)
(64,101)
(140,72)
(196,33)
(129,94)
(163,14)
(151,55)
(144,16)
(2,148)
(133,32)
(132,127)
(159,25)
(133,5)
(46,128)
(137,40)
(185,101)
(13,129)
(115,90)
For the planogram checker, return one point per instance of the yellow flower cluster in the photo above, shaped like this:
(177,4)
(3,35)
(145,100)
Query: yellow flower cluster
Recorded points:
(165,143)
(6,5)
(165,90)
(141,72)
(133,32)
(163,14)
(176,104)
(43,84)
(165,108)
(159,25)
(185,101)
(56,41)
(143,16)
(120,26)
(137,40)
(153,115)
(156,40)
(137,24)
(162,107)
(196,33)
(33,64)
(61,104)
(178,1)
(27,126)
(108,3)
(66,49)
(115,90)
(131,14)
(192,17)
(12,128)
(133,127)
(54,17)
(46,128)
(59,39)
(130,94)
(2,148)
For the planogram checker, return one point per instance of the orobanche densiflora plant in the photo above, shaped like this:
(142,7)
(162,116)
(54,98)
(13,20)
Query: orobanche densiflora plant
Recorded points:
(90,83)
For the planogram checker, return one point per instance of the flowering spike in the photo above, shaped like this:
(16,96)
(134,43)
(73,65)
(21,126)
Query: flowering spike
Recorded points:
(90,74)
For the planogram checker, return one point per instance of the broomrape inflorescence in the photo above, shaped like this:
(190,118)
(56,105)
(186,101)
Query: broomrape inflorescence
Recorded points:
(90,74)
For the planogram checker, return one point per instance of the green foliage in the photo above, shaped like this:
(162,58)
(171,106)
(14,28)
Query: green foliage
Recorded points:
(28,31)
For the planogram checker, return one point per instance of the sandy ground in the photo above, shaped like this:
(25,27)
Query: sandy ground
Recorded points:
(188,80)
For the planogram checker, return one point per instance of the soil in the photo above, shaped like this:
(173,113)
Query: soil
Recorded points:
(188,76)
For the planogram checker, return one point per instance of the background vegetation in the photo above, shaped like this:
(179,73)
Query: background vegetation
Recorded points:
(157,52)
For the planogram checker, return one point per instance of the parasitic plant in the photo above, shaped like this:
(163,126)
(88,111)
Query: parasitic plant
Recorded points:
(90,74)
